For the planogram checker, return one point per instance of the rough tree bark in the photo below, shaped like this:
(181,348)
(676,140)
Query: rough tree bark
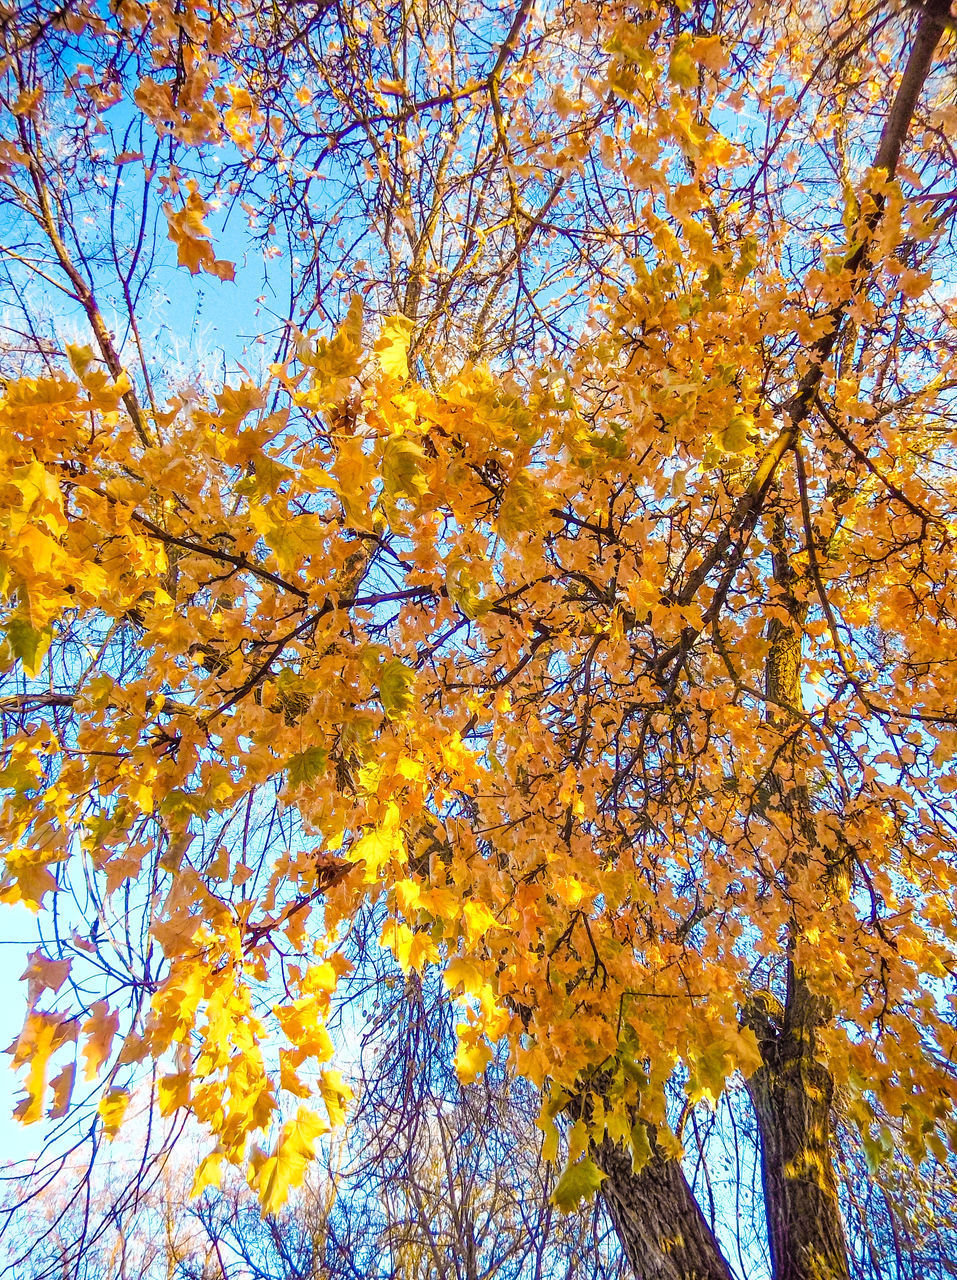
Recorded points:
(656,1216)
(661,1228)
(792,1093)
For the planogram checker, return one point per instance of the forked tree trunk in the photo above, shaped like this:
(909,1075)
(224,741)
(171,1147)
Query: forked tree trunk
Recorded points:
(661,1228)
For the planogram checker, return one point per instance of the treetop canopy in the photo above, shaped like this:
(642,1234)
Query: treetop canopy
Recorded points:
(608,658)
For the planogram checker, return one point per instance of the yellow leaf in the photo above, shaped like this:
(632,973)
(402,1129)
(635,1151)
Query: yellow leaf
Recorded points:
(471,1057)
(640,1146)
(398,938)
(336,1094)
(682,69)
(407,895)
(289,1081)
(392,347)
(411,948)
(42,1035)
(99,1029)
(630,42)
(550,1142)
(577,1139)
(27,101)
(736,437)
(80,358)
(579,1182)
(28,643)
(208,1174)
(321,977)
(521,509)
(112,1108)
(378,846)
(464,972)
(286,1167)
(478,920)
(173,1092)
(569,889)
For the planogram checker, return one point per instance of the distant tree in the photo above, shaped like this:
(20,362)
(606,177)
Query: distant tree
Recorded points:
(430,1179)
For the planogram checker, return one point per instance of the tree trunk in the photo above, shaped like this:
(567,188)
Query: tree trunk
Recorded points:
(792,1091)
(792,1094)
(657,1219)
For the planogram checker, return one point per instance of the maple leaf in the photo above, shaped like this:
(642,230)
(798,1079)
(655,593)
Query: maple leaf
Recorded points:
(173,1092)
(193,239)
(472,1056)
(336,1094)
(43,974)
(27,643)
(42,1035)
(522,506)
(286,1166)
(29,871)
(478,920)
(403,470)
(306,766)
(395,681)
(61,1086)
(467,973)
(112,1109)
(622,669)
(392,347)
(27,102)
(209,1173)
(579,1181)
(99,1029)
(412,948)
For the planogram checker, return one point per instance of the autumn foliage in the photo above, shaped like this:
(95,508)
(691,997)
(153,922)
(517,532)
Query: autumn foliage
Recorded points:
(615,667)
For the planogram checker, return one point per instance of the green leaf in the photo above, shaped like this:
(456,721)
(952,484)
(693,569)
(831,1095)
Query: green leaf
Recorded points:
(270,474)
(521,507)
(395,687)
(682,70)
(747,256)
(305,766)
(463,588)
(640,1146)
(179,806)
(80,358)
(402,468)
(631,45)
(736,436)
(714,281)
(27,643)
(579,1182)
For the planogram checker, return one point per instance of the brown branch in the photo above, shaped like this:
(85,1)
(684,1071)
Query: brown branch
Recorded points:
(14,703)
(932,23)
(925,517)
(81,286)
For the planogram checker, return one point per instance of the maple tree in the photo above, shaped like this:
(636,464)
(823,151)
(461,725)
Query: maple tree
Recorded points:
(585,606)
